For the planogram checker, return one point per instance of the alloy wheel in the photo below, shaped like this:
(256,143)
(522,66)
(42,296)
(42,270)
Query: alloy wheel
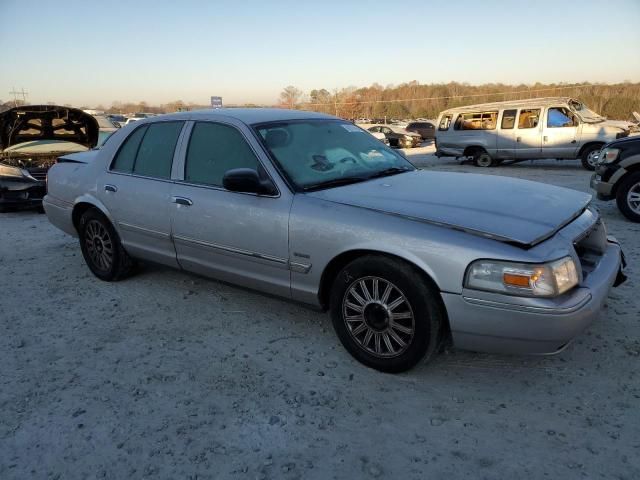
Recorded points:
(99,245)
(633,198)
(378,317)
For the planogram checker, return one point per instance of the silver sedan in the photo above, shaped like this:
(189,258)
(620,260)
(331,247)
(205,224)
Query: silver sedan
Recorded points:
(313,208)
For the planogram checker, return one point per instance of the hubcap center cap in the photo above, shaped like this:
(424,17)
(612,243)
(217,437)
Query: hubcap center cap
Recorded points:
(376,316)
(97,244)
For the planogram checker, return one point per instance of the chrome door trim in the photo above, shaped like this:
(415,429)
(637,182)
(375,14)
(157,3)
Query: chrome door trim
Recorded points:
(299,267)
(225,248)
(138,229)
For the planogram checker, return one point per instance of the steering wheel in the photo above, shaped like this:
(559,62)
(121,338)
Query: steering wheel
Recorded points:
(348,159)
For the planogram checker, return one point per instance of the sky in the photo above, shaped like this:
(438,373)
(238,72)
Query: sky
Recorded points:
(93,52)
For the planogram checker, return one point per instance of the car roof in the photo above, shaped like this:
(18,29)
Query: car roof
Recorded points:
(250,116)
(538,102)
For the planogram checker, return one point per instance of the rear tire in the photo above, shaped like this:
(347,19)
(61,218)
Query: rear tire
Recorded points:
(101,247)
(396,322)
(628,197)
(588,158)
(482,159)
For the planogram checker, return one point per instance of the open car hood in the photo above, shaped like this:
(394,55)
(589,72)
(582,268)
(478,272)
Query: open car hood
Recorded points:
(47,122)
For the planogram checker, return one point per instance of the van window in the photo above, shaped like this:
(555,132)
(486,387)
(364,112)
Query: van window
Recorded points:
(508,119)
(476,121)
(155,154)
(529,118)
(558,117)
(445,121)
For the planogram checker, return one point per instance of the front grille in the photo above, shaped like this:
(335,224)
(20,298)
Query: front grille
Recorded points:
(590,246)
(38,173)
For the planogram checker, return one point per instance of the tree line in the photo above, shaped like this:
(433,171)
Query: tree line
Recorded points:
(415,100)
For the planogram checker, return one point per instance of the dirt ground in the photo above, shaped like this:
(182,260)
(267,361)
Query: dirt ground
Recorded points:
(169,375)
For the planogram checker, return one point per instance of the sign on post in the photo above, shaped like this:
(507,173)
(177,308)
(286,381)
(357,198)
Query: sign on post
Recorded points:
(216,102)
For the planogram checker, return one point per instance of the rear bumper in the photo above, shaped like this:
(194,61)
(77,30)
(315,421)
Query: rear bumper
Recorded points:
(449,152)
(496,323)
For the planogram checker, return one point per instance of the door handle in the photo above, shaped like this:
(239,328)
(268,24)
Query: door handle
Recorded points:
(573,141)
(110,188)
(518,139)
(182,201)
(545,138)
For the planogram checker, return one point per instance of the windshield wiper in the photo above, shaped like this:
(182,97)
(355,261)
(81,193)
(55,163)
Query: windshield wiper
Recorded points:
(336,182)
(390,171)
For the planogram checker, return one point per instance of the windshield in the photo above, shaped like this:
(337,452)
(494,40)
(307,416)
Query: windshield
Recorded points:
(584,112)
(315,154)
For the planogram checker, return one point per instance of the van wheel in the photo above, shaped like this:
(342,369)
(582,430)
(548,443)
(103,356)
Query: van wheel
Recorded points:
(628,197)
(590,156)
(101,247)
(482,159)
(386,313)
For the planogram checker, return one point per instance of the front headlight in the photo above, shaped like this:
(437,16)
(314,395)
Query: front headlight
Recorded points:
(9,171)
(523,279)
(608,155)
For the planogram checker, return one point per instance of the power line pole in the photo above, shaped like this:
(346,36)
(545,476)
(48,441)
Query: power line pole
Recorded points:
(15,94)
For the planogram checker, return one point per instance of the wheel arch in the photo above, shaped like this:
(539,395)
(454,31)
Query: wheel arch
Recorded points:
(629,169)
(337,263)
(84,203)
(471,149)
(589,145)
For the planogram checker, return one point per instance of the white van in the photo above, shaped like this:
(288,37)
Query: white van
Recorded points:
(558,127)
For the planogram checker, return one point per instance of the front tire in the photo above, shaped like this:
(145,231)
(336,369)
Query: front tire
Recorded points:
(628,197)
(101,247)
(386,313)
(589,157)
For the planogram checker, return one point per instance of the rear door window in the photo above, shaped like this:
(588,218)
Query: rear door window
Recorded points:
(155,154)
(529,118)
(126,156)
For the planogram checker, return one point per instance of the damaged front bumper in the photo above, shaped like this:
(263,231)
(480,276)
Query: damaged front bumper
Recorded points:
(21,192)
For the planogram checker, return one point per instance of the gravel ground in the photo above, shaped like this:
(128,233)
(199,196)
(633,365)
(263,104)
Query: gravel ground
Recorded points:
(169,375)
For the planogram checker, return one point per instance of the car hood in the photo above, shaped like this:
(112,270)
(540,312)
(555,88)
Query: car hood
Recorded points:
(47,122)
(506,209)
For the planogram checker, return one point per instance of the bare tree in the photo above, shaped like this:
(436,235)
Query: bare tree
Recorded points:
(290,97)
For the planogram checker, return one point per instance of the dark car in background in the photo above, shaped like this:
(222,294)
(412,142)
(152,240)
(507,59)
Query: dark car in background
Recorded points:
(397,136)
(31,139)
(618,175)
(427,130)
